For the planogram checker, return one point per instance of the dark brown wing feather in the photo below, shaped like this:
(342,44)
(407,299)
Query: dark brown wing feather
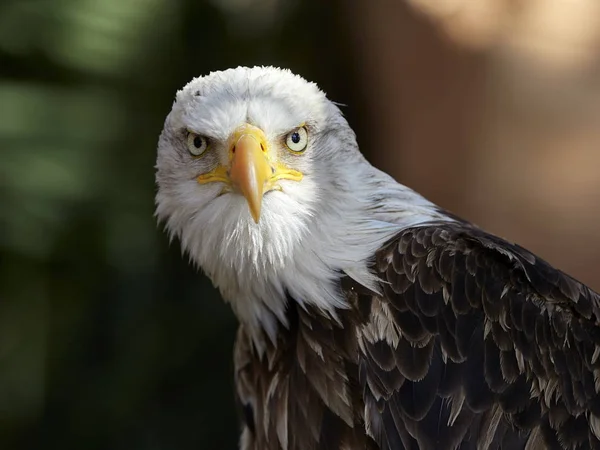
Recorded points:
(301,394)
(477,344)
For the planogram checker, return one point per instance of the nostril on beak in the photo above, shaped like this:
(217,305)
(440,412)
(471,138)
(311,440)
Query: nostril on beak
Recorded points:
(233,149)
(262,147)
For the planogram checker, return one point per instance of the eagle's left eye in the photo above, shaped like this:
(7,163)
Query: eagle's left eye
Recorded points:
(196,144)
(297,140)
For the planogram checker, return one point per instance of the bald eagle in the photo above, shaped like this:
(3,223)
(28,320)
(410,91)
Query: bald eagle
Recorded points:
(369,317)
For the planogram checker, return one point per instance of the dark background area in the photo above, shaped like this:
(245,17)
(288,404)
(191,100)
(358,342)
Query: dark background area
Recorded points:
(109,339)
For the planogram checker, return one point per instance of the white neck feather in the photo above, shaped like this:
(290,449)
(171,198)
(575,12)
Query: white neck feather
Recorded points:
(294,252)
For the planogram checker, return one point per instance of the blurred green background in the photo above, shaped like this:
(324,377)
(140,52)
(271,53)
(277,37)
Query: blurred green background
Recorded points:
(108,338)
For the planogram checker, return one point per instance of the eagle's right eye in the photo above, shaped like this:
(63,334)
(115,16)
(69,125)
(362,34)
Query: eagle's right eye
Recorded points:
(196,144)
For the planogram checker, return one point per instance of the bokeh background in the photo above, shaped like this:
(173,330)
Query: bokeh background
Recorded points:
(108,338)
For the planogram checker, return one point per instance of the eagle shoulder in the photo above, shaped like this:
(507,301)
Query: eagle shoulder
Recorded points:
(477,343)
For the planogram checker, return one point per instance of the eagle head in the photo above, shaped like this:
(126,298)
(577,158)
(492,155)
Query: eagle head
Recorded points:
(244,160)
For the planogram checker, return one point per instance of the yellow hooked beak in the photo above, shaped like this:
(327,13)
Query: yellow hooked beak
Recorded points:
(251,170)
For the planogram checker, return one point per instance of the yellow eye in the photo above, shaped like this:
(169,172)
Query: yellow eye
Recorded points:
(196,144)
(297,140)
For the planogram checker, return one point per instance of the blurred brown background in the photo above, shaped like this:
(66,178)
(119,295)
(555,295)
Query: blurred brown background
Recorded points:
(108,339)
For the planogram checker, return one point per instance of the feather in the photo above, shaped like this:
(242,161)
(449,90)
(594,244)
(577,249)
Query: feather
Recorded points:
(414,362)
(415,398)
(488,428)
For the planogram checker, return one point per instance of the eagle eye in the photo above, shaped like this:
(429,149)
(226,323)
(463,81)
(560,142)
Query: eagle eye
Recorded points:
(196,144)
(297,140)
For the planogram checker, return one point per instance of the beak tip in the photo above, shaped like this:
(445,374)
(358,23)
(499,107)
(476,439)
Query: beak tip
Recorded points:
(255,215)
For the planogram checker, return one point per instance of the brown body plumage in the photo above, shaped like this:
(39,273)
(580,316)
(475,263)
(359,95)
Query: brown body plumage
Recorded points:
(474,344)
